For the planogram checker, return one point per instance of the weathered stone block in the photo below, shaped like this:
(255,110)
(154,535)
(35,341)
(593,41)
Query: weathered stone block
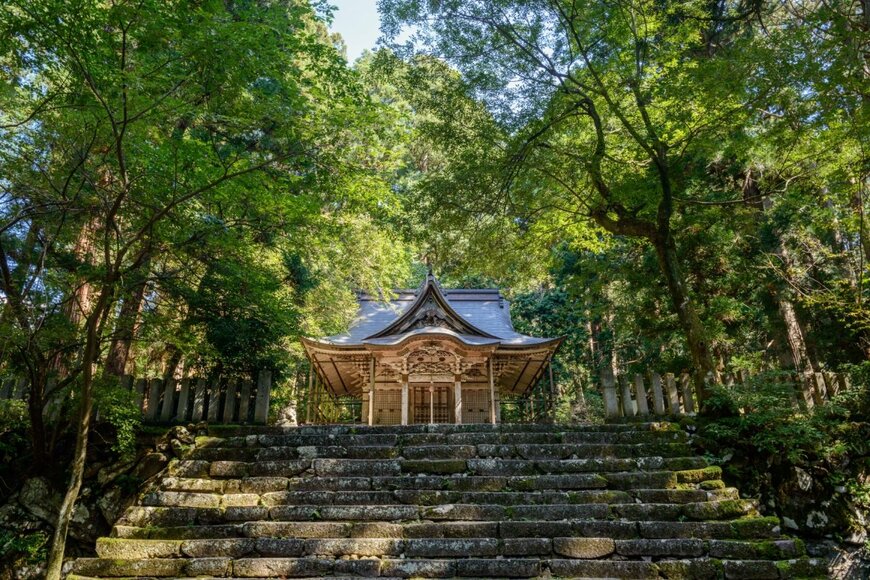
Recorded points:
(419,568)
(527,547)
(378,512)
(558,512)
(364,567)
(501,467)
(354,547)
(602,569)
(280,547)
(660,548)
(507,568)
(126,567)
(750,569)
(748,550)
(452,530)
(289,468)
(136,549)
(452,548)
(188,468)
(296,529)
(230,548)
(586,548)
(261,485)
(647,511)
(356,467)
(463,512)
(281,567)
(699,475)
(228,469)
(429,452)
(192,484)
(435,466)
(376,530)
(240,500)
(218,567)
(690,569)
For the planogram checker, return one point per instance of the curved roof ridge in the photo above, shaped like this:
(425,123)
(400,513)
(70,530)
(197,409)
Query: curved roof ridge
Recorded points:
(431,288)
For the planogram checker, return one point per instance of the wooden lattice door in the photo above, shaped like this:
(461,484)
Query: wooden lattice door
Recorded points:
(438,408)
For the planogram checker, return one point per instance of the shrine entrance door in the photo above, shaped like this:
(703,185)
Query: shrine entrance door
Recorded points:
(432,403)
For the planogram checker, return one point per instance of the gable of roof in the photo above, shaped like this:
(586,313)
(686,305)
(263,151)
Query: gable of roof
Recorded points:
(430,309)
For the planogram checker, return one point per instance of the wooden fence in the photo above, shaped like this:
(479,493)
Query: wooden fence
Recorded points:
(186,400)
(656,395)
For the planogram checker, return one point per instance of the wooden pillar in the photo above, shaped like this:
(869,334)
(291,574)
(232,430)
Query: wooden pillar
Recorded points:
(405,399)
(310,398)
(261,401)
(551,410)
(457,398)
(371,391)
(492,418)
(608,388)
(431,402)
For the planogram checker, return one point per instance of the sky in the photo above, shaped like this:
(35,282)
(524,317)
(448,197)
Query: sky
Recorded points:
(359,24)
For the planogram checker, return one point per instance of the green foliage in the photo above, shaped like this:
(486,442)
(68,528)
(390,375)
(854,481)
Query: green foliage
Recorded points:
(14,438)
(117,407)
(762,421)
(27,548)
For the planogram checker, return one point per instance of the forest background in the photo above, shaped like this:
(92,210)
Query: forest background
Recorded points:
(190,186)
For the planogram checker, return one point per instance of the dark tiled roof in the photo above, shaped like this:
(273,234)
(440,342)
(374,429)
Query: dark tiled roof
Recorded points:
(486,310)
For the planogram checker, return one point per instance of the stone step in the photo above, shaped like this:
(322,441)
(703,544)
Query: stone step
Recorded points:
(739,530)
(442,451)
(226,431)
(486,467)
(576,484)
(445,568)
(623,505)
(463,547)
(704,512)
(618,501)
(391,439)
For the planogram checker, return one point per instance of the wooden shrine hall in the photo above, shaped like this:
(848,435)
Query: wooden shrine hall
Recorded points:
(431,356)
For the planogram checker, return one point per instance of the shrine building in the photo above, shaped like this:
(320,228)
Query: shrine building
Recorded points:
(431,355)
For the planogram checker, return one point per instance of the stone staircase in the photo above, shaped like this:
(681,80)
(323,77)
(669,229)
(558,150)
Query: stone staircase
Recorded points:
(579,501)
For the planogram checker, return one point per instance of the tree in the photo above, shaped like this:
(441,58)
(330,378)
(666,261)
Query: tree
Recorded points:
(133,131)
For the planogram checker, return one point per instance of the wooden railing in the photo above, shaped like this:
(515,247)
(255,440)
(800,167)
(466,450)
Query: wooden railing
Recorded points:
(662,395)
(217,400)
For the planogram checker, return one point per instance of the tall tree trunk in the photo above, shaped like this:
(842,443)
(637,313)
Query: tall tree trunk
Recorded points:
(93,330)
(795,336)
(696,336)
(127,324)
(794,333)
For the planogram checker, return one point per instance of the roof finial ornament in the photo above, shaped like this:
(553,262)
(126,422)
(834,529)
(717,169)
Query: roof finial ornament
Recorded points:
(428,261)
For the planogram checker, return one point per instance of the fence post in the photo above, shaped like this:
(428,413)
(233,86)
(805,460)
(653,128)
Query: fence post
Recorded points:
(230,400)
(843,383)
(154,388)
(673,397)
(628,405)
(245,401)
(261,406)
(183,399)
(611,403)
(688,396)
(168,410)
(214,400)
(658,395)
(198,401)
(640,391)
